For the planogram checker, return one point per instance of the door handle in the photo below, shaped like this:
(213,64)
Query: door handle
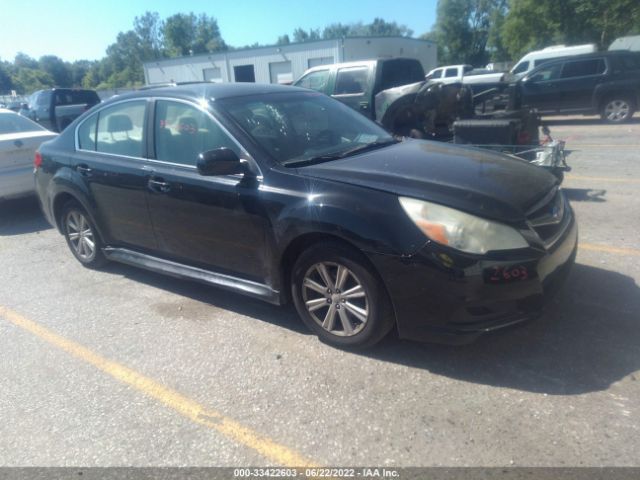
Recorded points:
(364,105)
(83,170)
(18,143)
(158,185)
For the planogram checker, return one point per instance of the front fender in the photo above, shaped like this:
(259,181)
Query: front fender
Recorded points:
(373,221)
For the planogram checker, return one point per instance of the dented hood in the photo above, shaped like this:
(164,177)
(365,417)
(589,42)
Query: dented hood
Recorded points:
(477,181)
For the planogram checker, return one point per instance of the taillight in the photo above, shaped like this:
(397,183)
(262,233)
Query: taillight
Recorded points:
(37,160)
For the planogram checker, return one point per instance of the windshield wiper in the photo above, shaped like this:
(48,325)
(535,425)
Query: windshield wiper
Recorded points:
(338,155)
(368,146)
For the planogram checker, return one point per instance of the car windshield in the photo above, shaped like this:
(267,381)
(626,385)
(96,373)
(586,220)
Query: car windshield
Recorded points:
(304,127)
(14,123)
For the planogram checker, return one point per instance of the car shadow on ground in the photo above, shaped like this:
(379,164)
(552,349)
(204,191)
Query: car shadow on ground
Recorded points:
(588,339)
(21,215)
(283,316)
(585,194)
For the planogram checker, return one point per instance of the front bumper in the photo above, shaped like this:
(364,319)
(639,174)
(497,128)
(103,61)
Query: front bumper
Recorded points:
(446,298)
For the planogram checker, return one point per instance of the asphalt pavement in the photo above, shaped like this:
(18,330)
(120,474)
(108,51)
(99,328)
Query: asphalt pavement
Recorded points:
(126,367)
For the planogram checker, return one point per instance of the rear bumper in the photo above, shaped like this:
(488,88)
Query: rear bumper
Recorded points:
(455,300)
(16,182)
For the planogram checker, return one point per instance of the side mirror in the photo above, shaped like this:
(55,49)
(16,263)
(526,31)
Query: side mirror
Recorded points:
(221,161)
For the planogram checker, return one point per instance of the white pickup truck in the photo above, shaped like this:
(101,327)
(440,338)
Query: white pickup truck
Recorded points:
(466,74)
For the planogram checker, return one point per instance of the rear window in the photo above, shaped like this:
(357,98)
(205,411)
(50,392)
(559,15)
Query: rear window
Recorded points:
(583,68)
(120,129)
(13,123)
(76,97)
(400,72)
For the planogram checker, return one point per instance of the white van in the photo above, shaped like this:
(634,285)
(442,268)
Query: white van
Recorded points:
(626,43)
(533,59)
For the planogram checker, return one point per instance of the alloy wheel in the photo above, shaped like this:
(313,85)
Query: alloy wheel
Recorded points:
(80,235)
(617,110)
(335,299)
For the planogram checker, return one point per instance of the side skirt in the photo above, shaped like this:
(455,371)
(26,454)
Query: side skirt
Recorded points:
(227,282)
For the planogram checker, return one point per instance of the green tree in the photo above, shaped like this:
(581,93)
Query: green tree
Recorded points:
(463,29)
(283,40)
(381,28)
(79,70)
(336,30)
(124,61)
(496,47)
(188,34)
(148,28)
(302,35)
(22,60)
(57,69)
(6,84)
(378,28)
(27,80)
(534,24)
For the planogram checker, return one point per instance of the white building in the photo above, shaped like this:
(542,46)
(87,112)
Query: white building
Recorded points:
(285,63)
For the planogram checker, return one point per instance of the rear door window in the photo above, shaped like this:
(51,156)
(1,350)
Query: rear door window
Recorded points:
(351,80)
(583,68)
(451,72)
(121,129)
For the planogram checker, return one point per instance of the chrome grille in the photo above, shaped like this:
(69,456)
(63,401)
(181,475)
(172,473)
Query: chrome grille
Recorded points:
(550,217)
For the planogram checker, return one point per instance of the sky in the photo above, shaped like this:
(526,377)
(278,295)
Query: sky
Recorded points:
(75,29)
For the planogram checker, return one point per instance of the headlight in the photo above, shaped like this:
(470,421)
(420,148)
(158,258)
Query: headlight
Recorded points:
(460,230)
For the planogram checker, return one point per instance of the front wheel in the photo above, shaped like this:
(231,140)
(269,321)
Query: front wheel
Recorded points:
(81,236)
(617,110)
(340,298)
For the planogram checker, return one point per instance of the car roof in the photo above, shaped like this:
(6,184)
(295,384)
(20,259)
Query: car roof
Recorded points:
(586,56)
(583,56)
(208,90)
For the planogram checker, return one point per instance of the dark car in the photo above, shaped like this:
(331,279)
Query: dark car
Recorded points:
(285,194)
(56,108)
(604,83)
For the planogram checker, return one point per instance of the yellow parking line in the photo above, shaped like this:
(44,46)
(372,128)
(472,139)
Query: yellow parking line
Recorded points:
(172,399)
(606,249)
(602,179)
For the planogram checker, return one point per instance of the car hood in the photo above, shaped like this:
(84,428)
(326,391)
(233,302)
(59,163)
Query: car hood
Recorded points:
(474,180)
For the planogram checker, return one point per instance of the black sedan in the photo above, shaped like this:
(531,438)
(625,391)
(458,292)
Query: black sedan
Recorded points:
(285,195)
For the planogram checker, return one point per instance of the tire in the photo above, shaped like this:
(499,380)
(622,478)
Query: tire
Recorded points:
(81,235)
(618,109)
(358,320)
